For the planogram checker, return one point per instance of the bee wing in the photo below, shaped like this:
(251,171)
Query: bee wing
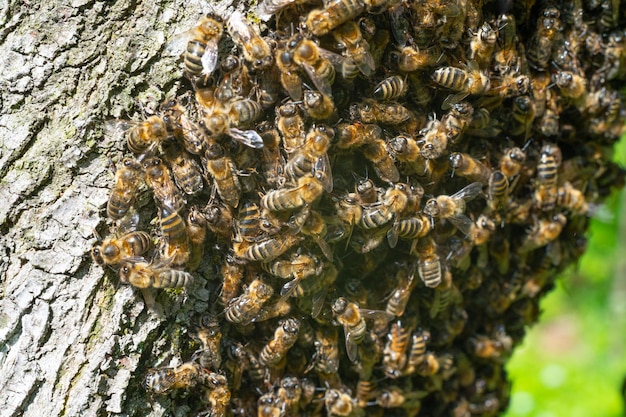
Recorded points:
(293,86)
(366,64)
(209,58)
(322,84)
(462,222)
(376,315)
(336,59)
(129,222)
(453,99)
(178,44)
(392,236)
(248,137)
(323,172)
(239,28)
(116,128)
(289,287)
(317,301)
(324,247)
(469,192)
(351,348)
(267,8)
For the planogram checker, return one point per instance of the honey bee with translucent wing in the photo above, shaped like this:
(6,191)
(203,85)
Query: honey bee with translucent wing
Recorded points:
(452,207)
(126,244)
(256,50)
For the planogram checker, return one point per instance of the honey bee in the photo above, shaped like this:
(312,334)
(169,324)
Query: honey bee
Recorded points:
(127,182)
(338,403)
(334,13)
(391,88)
(210,336)
(320,70)
(466,166)
(483,125)
(196,230)
(279,308)
(224,173)
(289,77)
(394,354)
(394,397)
(485,347)
(142,136)
(312,157)
(158,177)
(219,219)
(289,393)
(543,231)
(244,308)
(223,119)
(349,211)
(377,153)
(284,338)
(540,46)
(469,80)
(352,318)
(290,123)
(365,392)
(409,58)
(186,170)
(571,198)
(218,394)
(353,135)
(202,49)
(248,222)
(393,202)
(268,405)
(115,250)
(512,161)
(428,263)
(433,139)
(409,228)
(366,191)
(162,380)
(545,193)
(319,106)
(482,44)
(181,126)
(265,250)
(326,356)
(148,275)
(570,84)
(372,111)
(232,275)
(297,268)
(452,207)
(255,49)
(407,151)
(176,246)
(399,298)
(510,85)
(417,352)
(457,120)
(308,190)
(272,160)
(349,38)
(497,190)
(481,230)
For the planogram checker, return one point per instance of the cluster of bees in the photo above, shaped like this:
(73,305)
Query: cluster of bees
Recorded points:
(389,187)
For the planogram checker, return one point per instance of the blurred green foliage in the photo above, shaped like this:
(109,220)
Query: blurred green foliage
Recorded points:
(574,361)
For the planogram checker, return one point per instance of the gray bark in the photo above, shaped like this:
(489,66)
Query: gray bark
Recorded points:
(73,340)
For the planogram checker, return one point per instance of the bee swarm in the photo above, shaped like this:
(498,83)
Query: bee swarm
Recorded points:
(388,188)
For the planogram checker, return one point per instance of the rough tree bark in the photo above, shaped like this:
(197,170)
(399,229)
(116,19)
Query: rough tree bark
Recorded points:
(72,339)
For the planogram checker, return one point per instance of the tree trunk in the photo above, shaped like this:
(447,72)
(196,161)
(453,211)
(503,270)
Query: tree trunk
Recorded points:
(71,337)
